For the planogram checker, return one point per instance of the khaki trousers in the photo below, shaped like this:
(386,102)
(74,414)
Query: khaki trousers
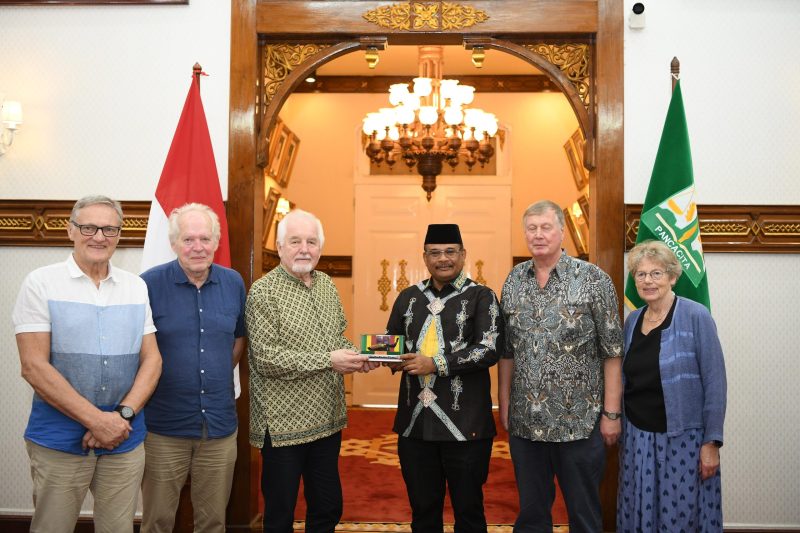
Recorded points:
(60,482)
(210,463)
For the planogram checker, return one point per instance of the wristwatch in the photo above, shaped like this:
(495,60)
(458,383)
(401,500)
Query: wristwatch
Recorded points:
(612,416)
(126,412)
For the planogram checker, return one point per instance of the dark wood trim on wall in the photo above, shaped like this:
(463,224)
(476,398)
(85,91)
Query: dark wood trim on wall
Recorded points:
(44,223)
(336,266)
(380,84)
(765,229)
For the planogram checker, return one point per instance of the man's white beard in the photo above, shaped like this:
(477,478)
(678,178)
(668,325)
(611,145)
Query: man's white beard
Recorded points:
(303,268)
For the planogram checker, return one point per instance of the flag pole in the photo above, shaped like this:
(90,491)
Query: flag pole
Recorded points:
(675,71)
(197,70)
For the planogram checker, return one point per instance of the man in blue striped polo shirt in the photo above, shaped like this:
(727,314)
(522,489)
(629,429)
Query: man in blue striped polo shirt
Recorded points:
(87,347)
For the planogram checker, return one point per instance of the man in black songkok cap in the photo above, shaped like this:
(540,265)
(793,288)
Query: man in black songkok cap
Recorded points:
(444,421)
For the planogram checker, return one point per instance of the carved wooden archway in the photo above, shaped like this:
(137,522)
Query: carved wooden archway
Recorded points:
(346,25)
(308,57)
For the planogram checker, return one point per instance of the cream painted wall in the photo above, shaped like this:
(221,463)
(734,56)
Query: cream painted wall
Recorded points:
(742,112)
(102,89)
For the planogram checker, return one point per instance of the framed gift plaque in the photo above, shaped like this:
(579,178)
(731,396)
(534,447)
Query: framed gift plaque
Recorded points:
(382,347)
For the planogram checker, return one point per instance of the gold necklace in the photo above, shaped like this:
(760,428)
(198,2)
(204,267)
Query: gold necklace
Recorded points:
(658,318)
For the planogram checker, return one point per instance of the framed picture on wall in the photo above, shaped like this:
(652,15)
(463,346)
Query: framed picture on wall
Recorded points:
(288,158)
(580,237)
(578,140)
(583,201)
(277,147)
(270,203)
(576,165)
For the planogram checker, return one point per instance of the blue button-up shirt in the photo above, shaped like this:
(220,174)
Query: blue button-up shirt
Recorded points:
(196,332)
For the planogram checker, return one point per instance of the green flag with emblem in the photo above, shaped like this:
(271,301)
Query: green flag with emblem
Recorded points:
(669,213)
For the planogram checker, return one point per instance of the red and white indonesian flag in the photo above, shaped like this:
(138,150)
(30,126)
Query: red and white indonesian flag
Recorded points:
(189,175)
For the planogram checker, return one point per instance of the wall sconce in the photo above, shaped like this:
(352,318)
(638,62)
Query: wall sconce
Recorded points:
(282,209)
(11,117)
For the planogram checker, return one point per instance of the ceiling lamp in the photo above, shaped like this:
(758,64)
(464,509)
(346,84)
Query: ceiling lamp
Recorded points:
(430,124)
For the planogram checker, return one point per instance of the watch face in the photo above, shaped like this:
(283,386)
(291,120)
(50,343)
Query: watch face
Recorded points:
(126,412)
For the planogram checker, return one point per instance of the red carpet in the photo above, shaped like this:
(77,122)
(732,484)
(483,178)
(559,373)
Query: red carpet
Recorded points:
(373,485)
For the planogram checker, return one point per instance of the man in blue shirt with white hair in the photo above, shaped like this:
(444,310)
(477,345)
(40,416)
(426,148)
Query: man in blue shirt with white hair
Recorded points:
(198,308)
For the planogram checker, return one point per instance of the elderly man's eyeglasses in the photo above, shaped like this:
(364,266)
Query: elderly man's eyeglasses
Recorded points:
(450,253)
(90,230)
(655,275)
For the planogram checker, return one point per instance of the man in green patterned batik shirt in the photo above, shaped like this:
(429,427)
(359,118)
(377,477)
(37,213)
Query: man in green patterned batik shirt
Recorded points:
(298,355)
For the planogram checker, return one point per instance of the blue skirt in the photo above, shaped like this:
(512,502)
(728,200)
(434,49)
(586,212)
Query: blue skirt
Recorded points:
(660,487)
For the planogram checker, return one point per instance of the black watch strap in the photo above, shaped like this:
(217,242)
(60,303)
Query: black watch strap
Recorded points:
(611,416)
(126,412)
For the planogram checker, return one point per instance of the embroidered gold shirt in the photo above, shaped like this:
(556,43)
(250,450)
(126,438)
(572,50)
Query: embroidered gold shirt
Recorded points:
(295,395)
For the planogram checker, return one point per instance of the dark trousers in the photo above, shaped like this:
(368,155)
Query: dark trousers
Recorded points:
(428,467)
(578,465)
(317,463)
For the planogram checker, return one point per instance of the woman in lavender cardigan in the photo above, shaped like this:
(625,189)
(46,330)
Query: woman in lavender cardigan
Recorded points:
(674,405)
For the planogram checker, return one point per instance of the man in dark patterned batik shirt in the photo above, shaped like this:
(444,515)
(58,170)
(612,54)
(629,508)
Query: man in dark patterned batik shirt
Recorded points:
(452,328)
(298,354)
(560,380)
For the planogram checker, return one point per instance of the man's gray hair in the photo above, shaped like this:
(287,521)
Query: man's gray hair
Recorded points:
(97,199)
(174,219)
(298,213)
(540,208)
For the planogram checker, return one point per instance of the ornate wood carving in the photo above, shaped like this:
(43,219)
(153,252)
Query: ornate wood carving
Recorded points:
(573,59)
(384,285)
(297,17)
(380,84)
(278,60)
(425,16)
(737,228)
(479,275)
(336,266)
(44,223)
(402,279)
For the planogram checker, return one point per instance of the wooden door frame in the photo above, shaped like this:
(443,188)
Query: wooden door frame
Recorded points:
(601,20)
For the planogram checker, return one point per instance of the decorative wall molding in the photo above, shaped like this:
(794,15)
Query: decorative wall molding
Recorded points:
(336,266)
(773,229)
(724,228)
(44,223)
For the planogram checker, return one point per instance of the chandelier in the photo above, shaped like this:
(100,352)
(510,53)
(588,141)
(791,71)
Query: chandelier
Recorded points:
(430,124)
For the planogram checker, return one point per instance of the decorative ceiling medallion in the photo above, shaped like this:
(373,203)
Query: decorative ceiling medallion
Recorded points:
(572,59)
(279,60)
(425,16)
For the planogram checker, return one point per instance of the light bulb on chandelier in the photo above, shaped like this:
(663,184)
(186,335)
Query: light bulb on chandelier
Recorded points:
(430,124)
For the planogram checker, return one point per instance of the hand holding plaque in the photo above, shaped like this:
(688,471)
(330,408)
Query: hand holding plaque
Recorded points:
(384,348)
